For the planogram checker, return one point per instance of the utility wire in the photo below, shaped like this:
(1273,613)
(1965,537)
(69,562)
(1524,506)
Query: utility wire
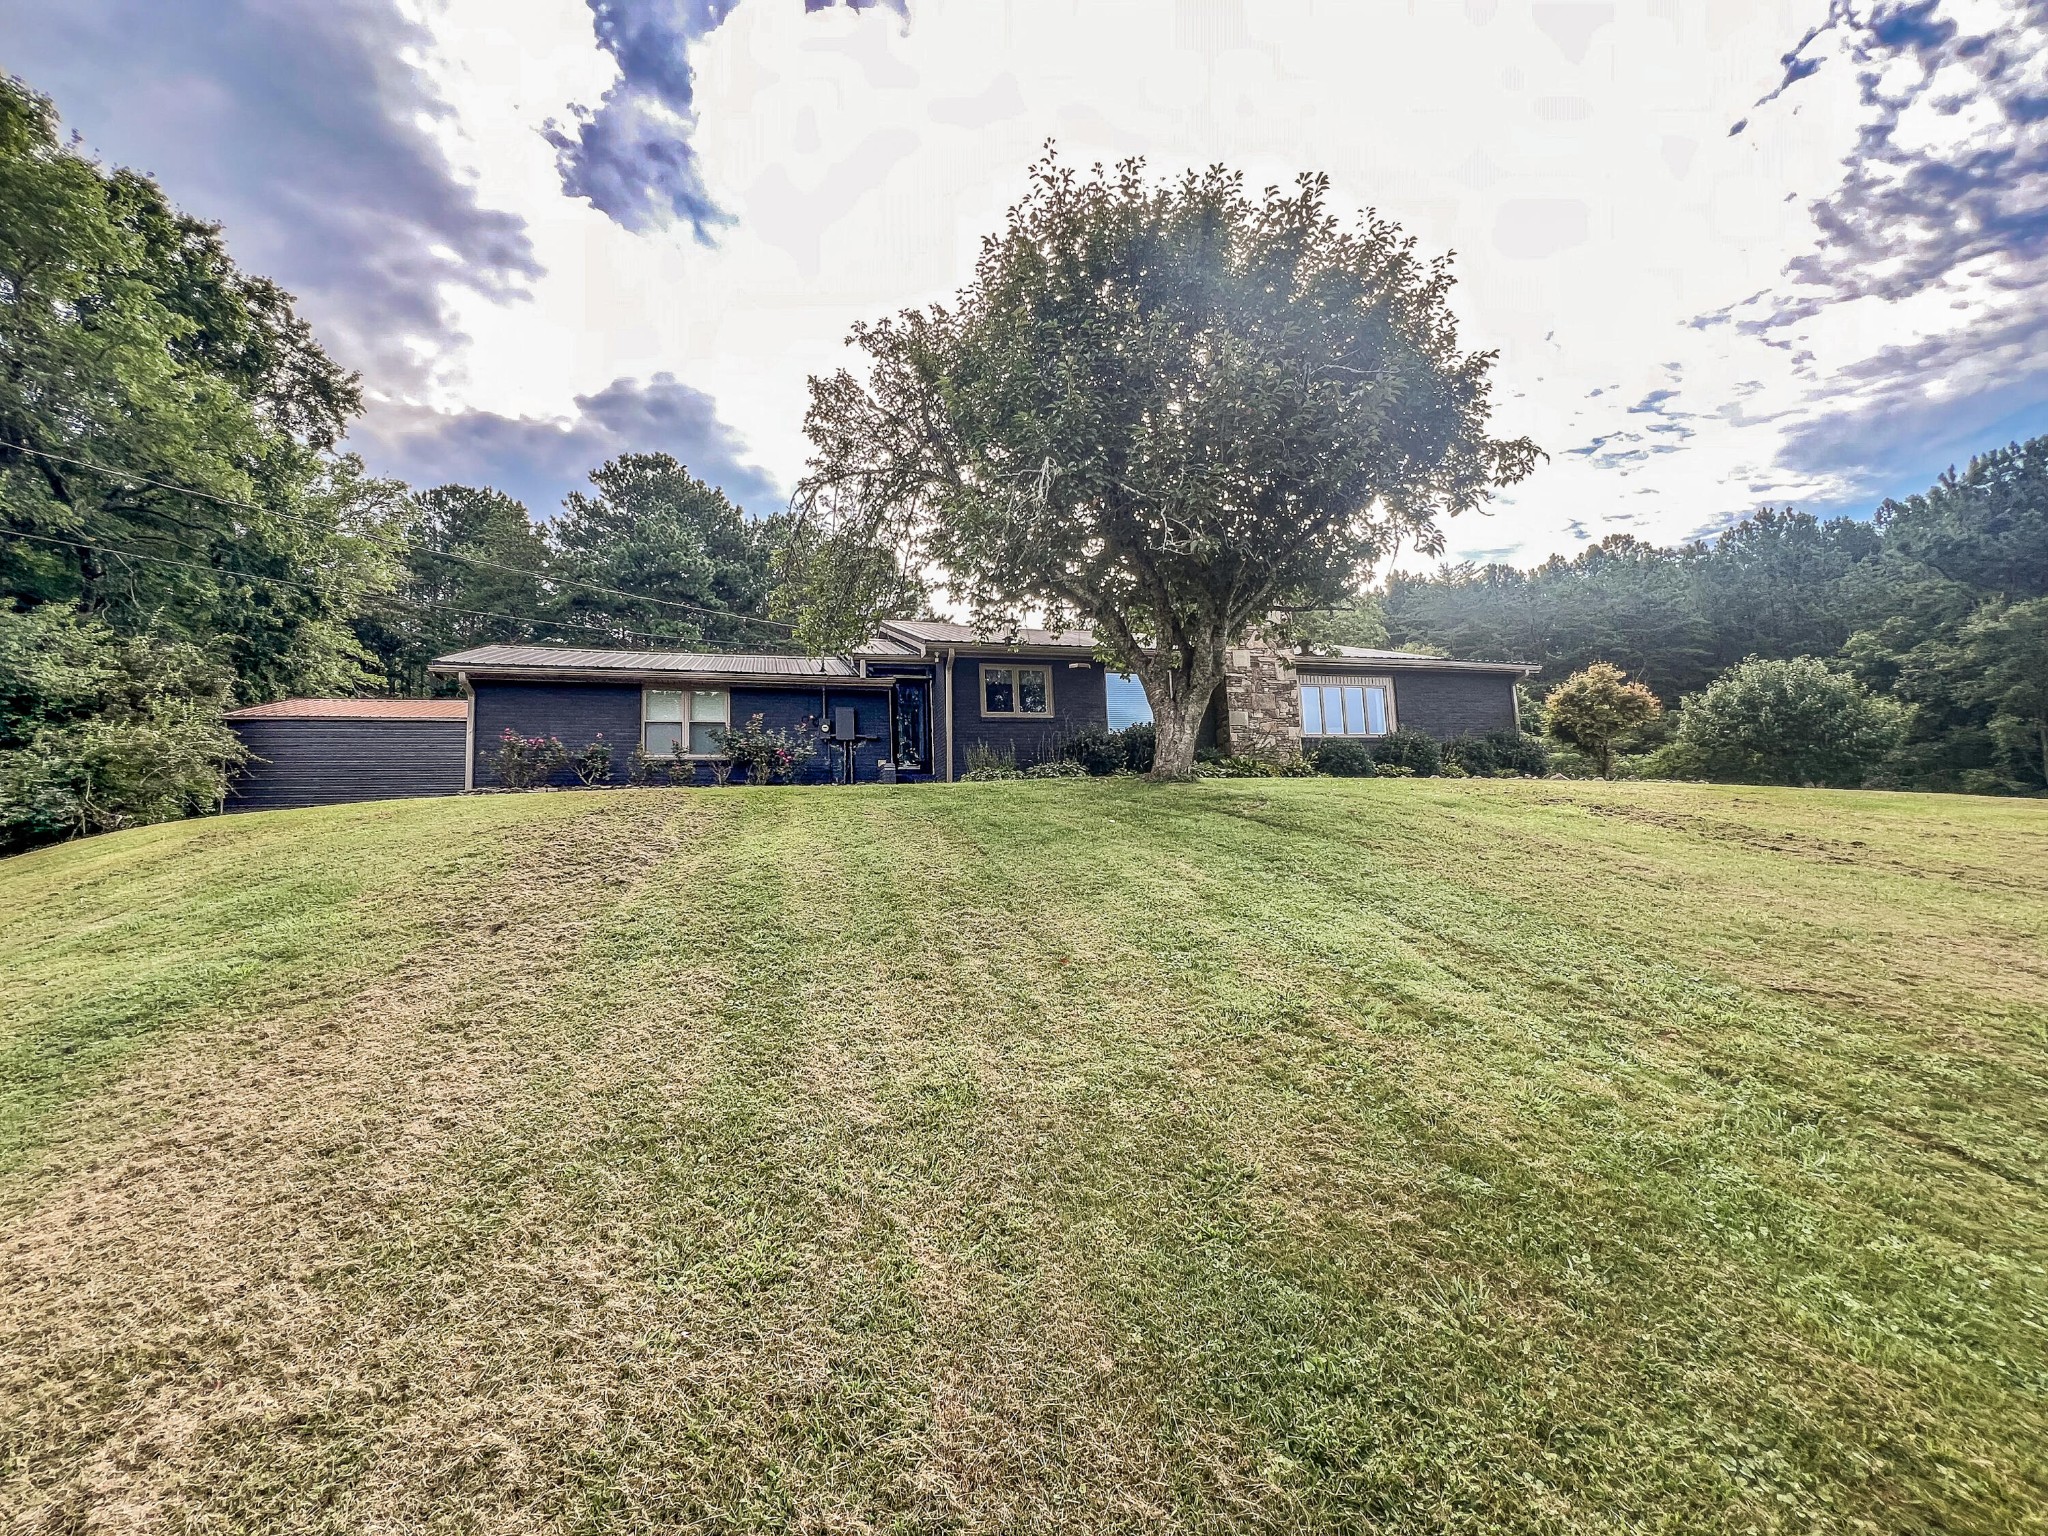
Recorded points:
(268,581)
(441,554)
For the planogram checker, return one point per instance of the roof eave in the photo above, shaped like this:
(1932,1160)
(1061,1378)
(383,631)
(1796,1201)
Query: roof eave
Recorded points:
(928,646)
(1411,664)
(515,673)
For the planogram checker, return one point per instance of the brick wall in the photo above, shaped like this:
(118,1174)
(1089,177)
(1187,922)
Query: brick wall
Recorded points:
(1080,702)
(1447,704)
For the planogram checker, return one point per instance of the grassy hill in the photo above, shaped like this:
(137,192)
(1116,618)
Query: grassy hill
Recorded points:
(1304,1155)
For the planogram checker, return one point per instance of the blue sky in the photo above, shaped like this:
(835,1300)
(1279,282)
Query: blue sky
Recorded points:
(1731,252)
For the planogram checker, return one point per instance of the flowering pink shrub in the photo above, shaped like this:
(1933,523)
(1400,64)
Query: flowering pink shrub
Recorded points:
(524,761)
(769,757)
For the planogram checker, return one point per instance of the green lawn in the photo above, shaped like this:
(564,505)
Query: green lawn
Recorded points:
(1255,1155)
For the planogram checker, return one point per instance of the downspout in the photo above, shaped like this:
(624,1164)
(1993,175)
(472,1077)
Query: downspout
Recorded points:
(468,734)
(949,714)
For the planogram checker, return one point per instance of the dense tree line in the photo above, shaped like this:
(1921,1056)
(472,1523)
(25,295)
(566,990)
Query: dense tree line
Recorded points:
(650,556)
(180,529)
(1940,602)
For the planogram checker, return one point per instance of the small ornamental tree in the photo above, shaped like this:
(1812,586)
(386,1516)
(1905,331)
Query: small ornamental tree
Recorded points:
(1785,722)
(1160,411)
(1593,709)
(593,764)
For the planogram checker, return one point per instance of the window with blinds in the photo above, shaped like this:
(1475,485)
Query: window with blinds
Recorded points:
(1345,704)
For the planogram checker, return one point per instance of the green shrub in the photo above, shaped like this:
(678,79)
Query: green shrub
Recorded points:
(1499,754)
(1055,768)
(1140,744)
(768,756)
(1785,722)
(1571,763)
(593,765)
(1211,764)
(1344,760)
(1095,751)
(521,762)
(100,775)
(1416,751)
(1100,751)
(99,731)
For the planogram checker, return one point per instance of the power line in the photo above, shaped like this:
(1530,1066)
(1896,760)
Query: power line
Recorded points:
(267,581)
(441,554)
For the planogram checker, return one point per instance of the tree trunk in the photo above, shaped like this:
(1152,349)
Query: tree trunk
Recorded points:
(1179,699)
(1176,726)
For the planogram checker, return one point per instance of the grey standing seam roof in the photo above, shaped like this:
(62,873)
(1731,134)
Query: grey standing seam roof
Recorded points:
(1357,653)
(944,632)
(706,663)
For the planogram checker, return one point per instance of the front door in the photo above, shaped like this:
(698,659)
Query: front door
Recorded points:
(913,725)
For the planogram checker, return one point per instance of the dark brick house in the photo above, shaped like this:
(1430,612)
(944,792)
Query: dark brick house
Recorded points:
(922,695)
(914,703)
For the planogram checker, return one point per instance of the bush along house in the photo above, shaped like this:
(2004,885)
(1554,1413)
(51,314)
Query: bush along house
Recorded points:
(923,697)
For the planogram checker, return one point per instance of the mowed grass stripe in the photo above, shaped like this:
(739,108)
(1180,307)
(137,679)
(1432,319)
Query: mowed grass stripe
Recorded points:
(1240,1156)
(1622,1162)
(115,945)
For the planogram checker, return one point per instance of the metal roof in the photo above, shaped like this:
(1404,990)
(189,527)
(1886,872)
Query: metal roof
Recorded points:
(879,645)
(944,632)
(354,709)
(899,638)
(1407,659)
(562,658)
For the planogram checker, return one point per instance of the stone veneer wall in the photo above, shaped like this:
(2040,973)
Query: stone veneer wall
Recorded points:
(1261,713)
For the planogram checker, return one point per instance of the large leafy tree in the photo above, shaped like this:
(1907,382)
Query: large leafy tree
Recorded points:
(1163,411)
(165,421)
(2004,670)
(1960,563)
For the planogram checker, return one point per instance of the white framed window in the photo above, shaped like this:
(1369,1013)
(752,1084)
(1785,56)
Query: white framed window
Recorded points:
(1347,706)
(689,720)
(1009,689)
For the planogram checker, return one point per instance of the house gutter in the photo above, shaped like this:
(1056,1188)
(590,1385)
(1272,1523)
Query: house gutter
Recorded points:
(468,734)
(949,714)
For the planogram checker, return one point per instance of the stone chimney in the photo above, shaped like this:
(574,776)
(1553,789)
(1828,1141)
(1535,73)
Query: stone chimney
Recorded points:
(1260,715)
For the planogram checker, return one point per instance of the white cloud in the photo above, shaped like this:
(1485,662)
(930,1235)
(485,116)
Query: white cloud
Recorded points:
(1576,155)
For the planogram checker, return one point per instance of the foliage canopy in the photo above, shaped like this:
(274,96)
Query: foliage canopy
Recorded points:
(1786,722)
(1593,709)
(1162,411)
(131,340)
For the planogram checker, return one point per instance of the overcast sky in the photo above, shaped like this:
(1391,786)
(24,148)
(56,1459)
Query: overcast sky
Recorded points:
(1732,252)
